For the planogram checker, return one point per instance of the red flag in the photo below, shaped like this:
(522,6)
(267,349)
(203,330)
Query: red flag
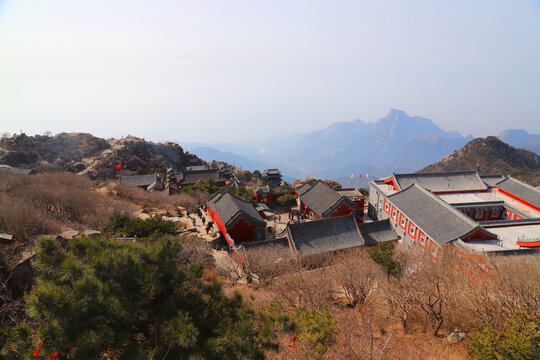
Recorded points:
(360,176)
(118,166)
(293,343)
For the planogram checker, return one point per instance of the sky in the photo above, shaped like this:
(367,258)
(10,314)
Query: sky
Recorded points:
(240,71)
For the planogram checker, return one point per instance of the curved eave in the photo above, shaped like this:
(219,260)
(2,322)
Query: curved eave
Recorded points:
(479,229)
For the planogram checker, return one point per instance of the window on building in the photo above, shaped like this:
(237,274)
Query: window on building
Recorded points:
(422,240)
(495,213)
(412,230)
(479,214)
(386,206)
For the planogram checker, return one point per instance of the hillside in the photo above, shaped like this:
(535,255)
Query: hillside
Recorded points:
(86,154)
(491,156)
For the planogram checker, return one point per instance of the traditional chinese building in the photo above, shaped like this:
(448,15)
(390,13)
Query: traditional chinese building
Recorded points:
(269,196)
(472,212)
(273,176)
(321,201)
(236,219)
(311,239)
(150,182)
(336,235)
(16,171)
(356,197)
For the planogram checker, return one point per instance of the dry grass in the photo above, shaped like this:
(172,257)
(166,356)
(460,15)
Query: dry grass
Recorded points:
(157,199)
(42,204)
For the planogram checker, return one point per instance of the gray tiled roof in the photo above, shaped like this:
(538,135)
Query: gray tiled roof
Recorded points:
(192,177)
(229,207)
(327,235)
(197,168)
(262,207)
(440,221)
(272,172)
(17,171)
(302,189)
(321,198)
(438,182)
(156,184)
(350,193)
(521,190)
(491,180)
(278,246)
(262,190)
(139,180)
(377,232)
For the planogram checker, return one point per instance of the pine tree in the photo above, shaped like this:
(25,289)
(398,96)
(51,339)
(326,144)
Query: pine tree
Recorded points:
(128,301)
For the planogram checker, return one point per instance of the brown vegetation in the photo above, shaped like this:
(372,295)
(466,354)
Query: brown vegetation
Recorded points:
(158,199)
(42,204)
(491,156)
(399,317)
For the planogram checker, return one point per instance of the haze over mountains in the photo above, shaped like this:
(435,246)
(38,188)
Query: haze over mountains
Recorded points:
(396,142)
(522,139)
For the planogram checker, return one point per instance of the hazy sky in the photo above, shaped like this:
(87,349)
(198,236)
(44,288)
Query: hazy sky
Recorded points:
(240,70)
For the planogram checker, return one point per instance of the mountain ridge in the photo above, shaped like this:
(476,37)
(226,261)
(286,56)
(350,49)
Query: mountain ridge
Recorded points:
(491,156)
(96,157)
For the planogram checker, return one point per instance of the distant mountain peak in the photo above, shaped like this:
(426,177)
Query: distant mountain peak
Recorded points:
(397,114)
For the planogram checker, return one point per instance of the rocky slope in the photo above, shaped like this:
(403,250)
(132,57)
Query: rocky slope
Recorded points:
(96,157)
(491,156)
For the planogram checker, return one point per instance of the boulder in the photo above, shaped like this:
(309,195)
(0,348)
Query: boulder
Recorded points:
(92,233)
(68,233)
(456,336)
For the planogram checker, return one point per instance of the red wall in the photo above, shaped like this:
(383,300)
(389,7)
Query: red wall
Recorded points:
(479,234)
(221,228)
(391,182)
(359,207)
(343,210)
(242,231)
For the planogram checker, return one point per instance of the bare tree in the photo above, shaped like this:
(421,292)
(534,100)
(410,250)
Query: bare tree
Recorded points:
(266,264)
(400,297)
(306,289)
(508,287)
(357,275)
(230,267)
(194,251)
(436,285)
